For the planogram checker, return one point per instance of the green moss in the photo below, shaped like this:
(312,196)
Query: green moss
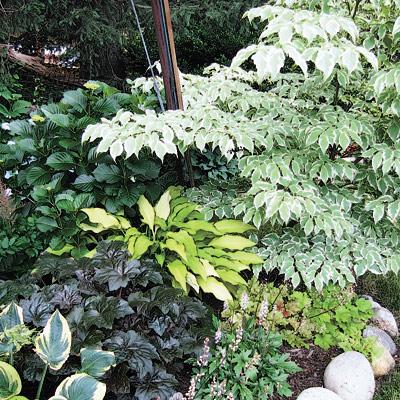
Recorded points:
(390,388)
(384,289)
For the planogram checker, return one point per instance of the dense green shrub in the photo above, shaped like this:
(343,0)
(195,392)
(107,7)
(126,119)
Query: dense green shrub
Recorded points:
(52,175)
(332,318)
(318,147)
(124,305)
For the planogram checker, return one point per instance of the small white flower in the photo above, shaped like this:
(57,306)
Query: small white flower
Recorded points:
(10,142)
(8,192)
(8,174)
(244,301)
(5,126)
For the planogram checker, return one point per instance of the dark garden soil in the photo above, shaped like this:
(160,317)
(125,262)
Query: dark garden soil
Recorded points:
(313,362)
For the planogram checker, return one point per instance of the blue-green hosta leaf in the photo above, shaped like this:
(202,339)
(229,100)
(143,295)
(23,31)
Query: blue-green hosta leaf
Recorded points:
(11,316)
(54,343)
(96,362)
(80,387)
(10,382)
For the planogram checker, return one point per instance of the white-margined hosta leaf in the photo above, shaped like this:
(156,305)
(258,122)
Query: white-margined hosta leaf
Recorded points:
(81,387)
(54,343)
(96,362)
(12,315)
(10,382)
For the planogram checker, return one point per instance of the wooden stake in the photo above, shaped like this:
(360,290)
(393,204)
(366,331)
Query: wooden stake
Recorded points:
(169,65)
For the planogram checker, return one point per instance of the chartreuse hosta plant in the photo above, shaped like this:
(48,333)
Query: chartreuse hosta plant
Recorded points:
(53,347)
(318,148)
(198,254)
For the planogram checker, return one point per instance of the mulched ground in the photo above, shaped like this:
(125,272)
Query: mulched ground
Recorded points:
(313,361)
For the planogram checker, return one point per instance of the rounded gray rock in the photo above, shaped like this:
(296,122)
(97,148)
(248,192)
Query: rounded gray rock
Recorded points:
(318,393)
(350,376)
(382,337)
(384,319)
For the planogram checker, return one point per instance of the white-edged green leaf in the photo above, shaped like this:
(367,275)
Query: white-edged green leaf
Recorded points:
(11,316)
(10,382)
(96,362)
(81,387)
(54,343)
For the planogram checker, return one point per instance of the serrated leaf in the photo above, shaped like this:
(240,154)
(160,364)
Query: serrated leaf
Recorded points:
(61,161)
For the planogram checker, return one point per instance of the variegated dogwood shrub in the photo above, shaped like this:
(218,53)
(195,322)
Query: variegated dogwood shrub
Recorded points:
(315,129)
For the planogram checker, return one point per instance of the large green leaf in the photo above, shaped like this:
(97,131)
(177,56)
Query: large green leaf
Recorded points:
(76,99)
(232,242)
(37,176)
(232,226)
(10,382)
(179,272)
(101,217)
(81,387)
(96,362)
(218,289)
(54,343)
(46,224)
(61,161)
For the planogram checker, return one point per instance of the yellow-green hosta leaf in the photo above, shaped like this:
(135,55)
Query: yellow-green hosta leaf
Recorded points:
(208,268)
(184,238)
(22,398)
(142,244)
(194,226)
(146,211)
(125,224)
(58,398)
(178,271)
(101,217)
(230,276)
(162,208)
(192,282)
(178,248)
(11,316)
(195,265)
(96,362)
(231,242)
(81,387)
(232,226)
(10,382)
(66,249)
(246,257)
(132,232)
(218,289)
(92,228)
(54,343)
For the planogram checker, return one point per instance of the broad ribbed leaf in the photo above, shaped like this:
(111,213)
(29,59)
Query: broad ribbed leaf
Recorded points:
(61,161)
(162,208)
(54,343)
(10,382)
(96,362)
(81,387)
